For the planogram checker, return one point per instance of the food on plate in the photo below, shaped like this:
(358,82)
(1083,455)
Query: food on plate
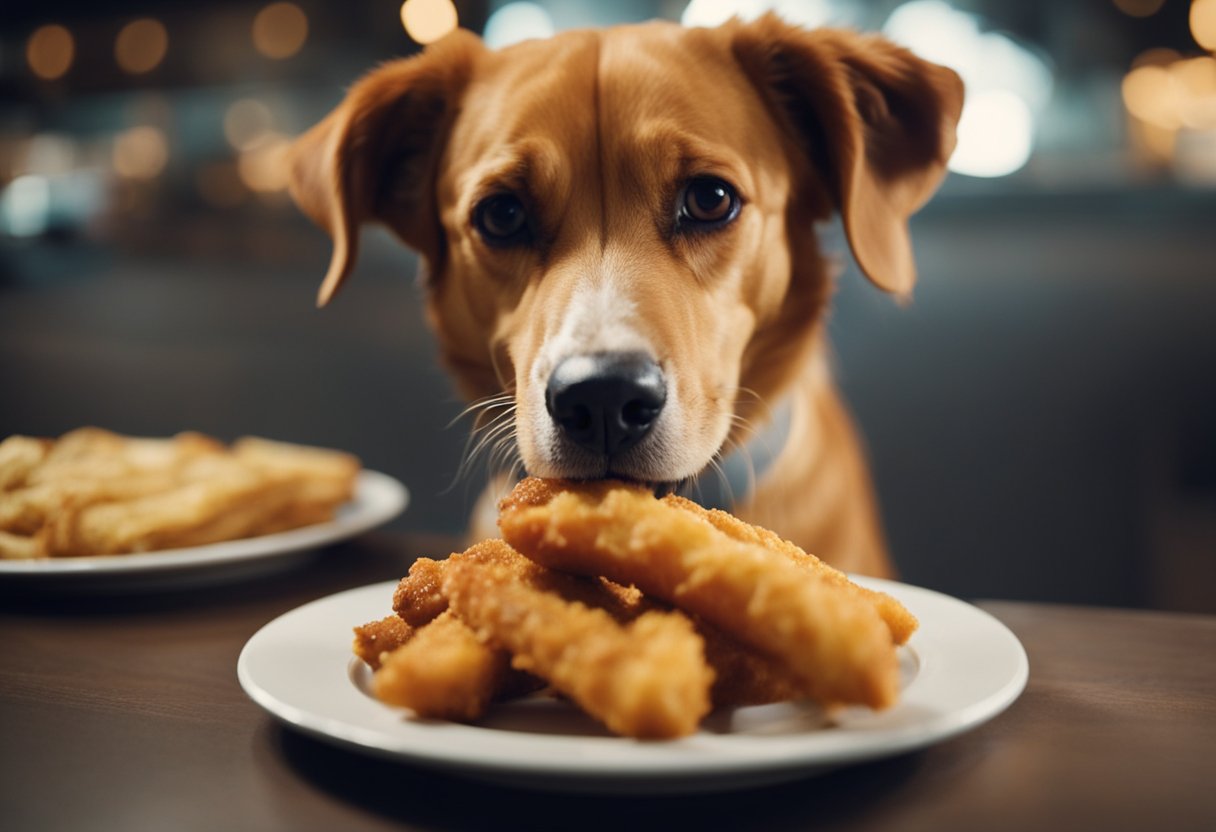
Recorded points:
(741,677)
(832,640)
(375,638)
(900,622)
(419,595)
(446,672)
(93,492)
(644,678)
(645,612)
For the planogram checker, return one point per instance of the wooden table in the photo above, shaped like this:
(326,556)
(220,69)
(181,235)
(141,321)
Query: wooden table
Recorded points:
(125,714)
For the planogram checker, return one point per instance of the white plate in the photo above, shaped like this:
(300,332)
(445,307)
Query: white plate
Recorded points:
(378,498)
(960,669)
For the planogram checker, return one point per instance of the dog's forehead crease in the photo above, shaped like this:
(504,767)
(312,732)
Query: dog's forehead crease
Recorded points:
(585,120)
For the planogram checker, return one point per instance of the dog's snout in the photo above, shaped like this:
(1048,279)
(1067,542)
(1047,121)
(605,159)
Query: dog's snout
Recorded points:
(606,402)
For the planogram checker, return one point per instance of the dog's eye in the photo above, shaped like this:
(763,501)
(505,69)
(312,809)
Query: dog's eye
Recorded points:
(708,200)
(500,218)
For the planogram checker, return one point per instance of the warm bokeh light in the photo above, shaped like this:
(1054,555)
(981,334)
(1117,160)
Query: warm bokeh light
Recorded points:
(220,185)
(1155,57)
(1182,94)
(141,46)
(1139,8)
(427,21)
(263,167)
(279,30)
(1197,79)
(50,51)
(140,152)
(1203,23)
(247,122)
(1151,95)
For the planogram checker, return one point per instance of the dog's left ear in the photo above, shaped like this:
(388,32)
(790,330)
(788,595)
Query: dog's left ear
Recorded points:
(878,124)
(374,156)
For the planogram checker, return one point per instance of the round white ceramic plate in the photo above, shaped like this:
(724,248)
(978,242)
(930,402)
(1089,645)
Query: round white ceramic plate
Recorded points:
(378,498)
(961,668)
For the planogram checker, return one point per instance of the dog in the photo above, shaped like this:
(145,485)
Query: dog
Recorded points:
(617,230)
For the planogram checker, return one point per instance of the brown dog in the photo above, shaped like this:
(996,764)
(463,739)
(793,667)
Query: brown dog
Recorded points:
(618,228)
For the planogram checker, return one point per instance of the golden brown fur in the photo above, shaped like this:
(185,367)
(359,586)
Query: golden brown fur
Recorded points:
(596,131)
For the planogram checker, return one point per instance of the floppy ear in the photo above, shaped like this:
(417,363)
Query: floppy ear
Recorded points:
(878,123)
(374,156)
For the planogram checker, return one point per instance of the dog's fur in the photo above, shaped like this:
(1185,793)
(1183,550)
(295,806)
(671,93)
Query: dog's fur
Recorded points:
(597,132)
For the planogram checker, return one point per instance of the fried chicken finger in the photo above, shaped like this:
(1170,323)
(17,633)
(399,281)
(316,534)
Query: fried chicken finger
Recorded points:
(647,678)
(446,672)
(901,622)
(831,640)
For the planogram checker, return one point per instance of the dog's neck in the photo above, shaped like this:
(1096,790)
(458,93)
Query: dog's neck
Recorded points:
(737,473)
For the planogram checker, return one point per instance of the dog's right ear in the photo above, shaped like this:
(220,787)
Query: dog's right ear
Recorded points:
(374,156)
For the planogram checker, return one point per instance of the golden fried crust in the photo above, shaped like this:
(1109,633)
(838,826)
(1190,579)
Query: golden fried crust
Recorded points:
(419,596)
(833,642)
(443,672)
(378,637)
(901,622)
(647,678)
(742,676)
(534,491)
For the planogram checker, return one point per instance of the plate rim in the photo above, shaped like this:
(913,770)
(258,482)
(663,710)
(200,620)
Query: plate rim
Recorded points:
(686,759)
(378,498)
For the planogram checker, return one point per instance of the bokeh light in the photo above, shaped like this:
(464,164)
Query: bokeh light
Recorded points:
(263,168)
(1203,23)
(141,46)
(50,51)
(247,122)
(1197,80)
(1151,95)
(709,13)
(25,206)
(279,30)
(1139,8)
(427,21)
(1172,95)
(995,135)
(516,22)
(140,152)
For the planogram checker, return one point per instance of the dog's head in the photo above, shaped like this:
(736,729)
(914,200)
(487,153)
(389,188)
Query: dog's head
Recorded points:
(618,226)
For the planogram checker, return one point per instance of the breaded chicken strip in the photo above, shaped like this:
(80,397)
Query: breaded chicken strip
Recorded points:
(741,677)
(901,622)
(830,639)
(645,679)
(446,672)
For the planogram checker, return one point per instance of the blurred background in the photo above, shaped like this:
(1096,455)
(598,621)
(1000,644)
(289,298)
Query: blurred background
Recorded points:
(1041,419)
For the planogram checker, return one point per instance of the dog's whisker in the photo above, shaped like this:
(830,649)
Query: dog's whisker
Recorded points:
(482,438)
(765,411)
(744,452)
(490,435)
(483,406)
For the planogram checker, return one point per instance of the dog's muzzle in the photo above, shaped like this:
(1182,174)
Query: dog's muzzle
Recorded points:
(606,402)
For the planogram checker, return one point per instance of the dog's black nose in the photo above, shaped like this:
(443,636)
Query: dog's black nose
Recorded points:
(606,402)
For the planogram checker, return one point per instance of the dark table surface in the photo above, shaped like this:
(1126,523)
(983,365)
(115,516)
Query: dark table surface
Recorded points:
(124,713)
